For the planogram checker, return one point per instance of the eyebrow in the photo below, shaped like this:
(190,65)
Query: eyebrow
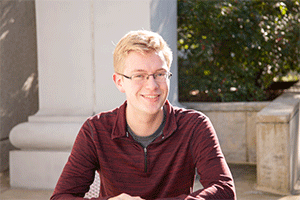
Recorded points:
(144,71)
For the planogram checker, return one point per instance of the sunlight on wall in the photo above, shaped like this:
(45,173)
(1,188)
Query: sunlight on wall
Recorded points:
(28,84)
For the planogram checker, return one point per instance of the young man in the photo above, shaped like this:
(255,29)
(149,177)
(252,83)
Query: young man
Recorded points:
(146,148)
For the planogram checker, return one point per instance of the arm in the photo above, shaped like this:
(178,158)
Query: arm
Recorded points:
(79,171)
(211,165)
(209,160)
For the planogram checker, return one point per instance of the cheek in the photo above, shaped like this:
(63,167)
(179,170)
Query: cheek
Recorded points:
(165,87)
(132,90)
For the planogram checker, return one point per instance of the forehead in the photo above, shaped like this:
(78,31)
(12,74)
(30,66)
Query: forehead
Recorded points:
(146,61)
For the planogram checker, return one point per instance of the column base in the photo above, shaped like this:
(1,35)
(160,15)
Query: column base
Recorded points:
(36,169)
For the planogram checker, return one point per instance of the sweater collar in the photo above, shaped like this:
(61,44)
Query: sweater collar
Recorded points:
(119,128)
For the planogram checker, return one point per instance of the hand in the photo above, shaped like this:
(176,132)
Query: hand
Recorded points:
(124,196)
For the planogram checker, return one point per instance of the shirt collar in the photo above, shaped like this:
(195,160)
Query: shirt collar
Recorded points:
(119,128)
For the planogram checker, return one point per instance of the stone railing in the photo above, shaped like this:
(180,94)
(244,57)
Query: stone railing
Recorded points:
(278,147)
(235,124)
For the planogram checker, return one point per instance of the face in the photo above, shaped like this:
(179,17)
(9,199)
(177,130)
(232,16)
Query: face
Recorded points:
(150,96)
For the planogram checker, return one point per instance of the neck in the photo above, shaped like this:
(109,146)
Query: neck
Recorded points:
(144,125)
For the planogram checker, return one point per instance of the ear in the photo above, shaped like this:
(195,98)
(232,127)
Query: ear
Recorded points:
(118,80)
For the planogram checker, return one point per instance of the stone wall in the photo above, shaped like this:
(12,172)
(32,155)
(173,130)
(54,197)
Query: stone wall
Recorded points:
(18,69)
(235,124)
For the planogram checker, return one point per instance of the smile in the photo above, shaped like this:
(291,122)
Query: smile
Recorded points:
(151,96)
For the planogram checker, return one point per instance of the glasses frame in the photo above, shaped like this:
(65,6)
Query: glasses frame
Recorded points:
(168,74)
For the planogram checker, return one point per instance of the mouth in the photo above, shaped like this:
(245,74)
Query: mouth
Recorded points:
(151,96)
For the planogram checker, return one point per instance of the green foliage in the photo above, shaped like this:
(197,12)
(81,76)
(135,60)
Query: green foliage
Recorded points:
(232,50)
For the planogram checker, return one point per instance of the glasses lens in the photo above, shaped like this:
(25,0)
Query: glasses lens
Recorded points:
(139,77)
(161,76)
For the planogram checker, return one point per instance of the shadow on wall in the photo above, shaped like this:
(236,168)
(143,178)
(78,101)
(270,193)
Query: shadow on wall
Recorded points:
(18,69)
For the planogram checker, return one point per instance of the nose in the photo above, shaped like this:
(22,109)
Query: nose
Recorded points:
(151,82)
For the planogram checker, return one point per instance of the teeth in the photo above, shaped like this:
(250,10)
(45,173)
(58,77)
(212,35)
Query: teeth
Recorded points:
(151,97)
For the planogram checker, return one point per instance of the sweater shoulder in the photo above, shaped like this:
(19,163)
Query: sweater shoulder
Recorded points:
(106,115)
(191,120)
(189,114)
(103,120)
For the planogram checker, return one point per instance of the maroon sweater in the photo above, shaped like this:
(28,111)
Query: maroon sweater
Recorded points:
(165,169)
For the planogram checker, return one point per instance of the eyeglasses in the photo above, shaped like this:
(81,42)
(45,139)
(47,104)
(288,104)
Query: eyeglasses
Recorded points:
(140,78)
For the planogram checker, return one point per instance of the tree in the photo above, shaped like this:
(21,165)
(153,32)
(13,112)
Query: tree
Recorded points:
(233,50)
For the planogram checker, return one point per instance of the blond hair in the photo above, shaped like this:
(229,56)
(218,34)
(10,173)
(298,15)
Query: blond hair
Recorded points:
(140,41)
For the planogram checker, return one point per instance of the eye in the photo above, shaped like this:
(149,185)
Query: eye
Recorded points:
(160,74)
(139,76)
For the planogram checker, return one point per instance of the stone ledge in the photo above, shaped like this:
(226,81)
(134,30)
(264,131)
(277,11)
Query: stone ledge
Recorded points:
(281,110)
(227,106)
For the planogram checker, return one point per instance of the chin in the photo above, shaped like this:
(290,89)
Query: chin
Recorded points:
(154,110)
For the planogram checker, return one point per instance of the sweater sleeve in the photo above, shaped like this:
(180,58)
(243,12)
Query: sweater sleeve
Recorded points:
(215,175)
(79,171)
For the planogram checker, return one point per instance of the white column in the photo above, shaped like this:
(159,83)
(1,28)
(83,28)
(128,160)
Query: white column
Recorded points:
(75,44)
(65,72)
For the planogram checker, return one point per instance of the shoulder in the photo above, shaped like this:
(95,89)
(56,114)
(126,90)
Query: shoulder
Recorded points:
(106,115)
(180,115)
(106,120)
(192,120)
(189,115)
